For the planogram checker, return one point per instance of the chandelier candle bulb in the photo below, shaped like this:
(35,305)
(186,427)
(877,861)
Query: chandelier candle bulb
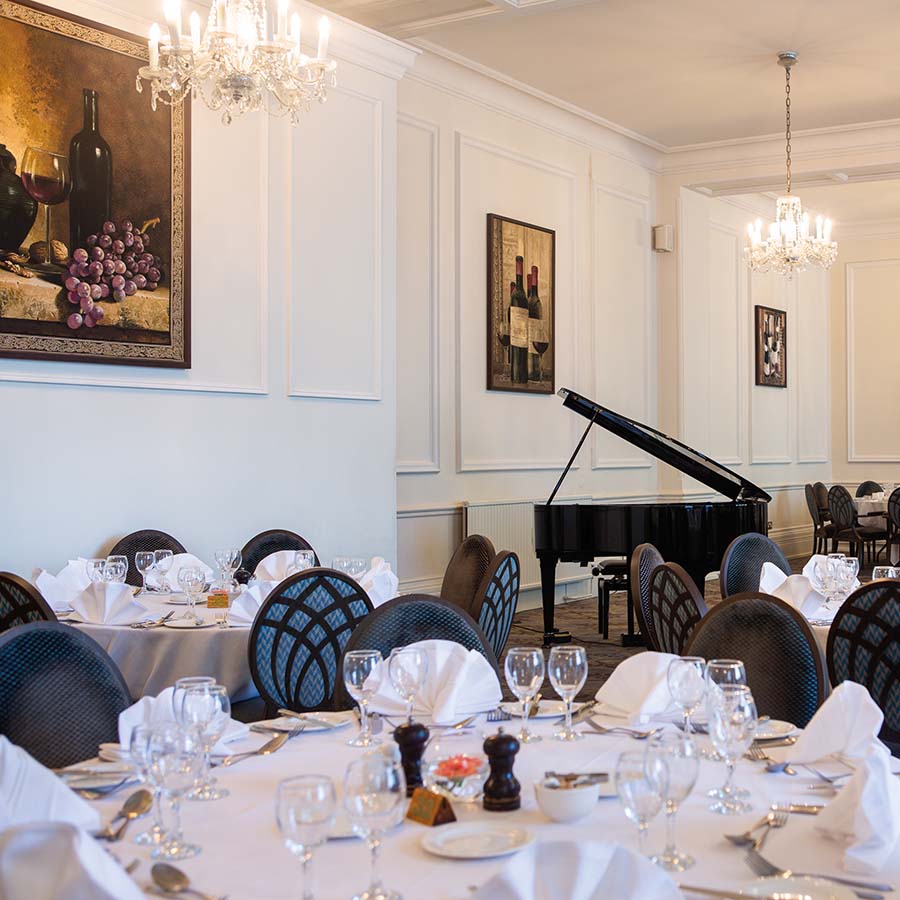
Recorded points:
(172,12)
(282,19)
(221,15)
(324,29)
(153,46)
(195,31)
(295,33)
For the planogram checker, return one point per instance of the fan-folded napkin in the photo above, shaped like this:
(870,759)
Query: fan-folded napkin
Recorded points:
(245,606)
(180,561)
(797,590)
(459,683)
(158,710)
(108,603)
(578,870)
(276,566)
(61,589)
(638,687)
(380,583)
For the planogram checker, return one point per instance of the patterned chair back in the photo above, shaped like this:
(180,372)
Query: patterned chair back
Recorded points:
(466,571)
(843,510)
(499,593)
(298,636)
(868,487)
(813,506)
(644,560)
(893,509)
(822,499)
(676,606)
(60,693)
(148,539)
(21,602)
(743,561)
(864,646)
(268,542)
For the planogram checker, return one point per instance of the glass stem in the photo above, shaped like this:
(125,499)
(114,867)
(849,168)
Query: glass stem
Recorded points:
(175,807)
(364,718)
(568,715)
(157,811)
(671,810)
(306,874)
(525,703)
(642,838)
(375,847)
(729,776)
(687,722)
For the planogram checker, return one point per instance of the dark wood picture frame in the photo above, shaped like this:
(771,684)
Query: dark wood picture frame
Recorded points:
(771,346)
(127,343)
(537,246)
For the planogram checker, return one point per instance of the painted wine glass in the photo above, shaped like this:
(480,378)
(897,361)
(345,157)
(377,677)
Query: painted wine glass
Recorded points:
(47,178)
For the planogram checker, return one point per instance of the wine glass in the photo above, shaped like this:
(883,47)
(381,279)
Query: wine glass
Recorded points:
(115,569)
(823,572)
(143,562)
(408,669)
(732,726)
(640,790)
(686,677)
(354,566)
(725,671)
(304,809)
(47,179)
(304,559)
(162,562)
(374,797)
(228,562)
(362,678)
(879,572)
(94,569)
(185,684)
(681,758)
(207,708)
(138,751)
(190,580)
(524,670)
(568,669)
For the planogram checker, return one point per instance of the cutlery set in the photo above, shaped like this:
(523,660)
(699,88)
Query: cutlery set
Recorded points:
(153,623)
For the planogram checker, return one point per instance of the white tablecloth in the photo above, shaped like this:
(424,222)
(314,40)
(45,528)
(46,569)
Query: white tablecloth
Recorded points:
(866,506)
(244,857)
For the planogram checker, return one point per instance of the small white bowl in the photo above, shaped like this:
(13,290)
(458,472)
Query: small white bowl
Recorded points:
(566,804)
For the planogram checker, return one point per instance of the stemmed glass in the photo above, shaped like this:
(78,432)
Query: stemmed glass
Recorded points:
(640,789)
(374,797)
(725,671)
(304,809)
(138,751)
(879,572)
(207,708)
(686,678)
(143,562)
(362,678)
(845,577)
(678,753)
(190,580)
(185,684)
(47,178)
(94,569)
(524,670)
(732,726)
(568,669)
(303,559)
(354,566)
(162,562)
(408,669)
(228,562)
(115,569)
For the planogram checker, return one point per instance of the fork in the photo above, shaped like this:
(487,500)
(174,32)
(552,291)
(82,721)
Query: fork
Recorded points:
(620,729)
(777,819)
(746,839)
(757,754)
(498,715)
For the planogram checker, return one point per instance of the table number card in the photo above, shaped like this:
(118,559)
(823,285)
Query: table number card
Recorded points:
(427,808)
(217,600)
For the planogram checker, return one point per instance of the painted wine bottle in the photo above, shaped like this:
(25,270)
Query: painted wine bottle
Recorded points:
(536,337)
(90,160)
(518,327)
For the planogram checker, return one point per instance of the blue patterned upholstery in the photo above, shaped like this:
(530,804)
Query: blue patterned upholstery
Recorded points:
(675,608)
(864,646)
(783,659)
(21,602)
(298,637)
(267,542)
(743,561)
(60,693)
(147,539)
(499,594)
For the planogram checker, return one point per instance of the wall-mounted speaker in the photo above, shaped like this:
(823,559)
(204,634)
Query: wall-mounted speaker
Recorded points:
(663,238)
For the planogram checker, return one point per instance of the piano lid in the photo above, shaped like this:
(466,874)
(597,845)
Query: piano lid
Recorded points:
(693,463)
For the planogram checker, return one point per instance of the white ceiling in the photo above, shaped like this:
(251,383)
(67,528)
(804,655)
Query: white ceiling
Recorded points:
(678,73)
(868,201)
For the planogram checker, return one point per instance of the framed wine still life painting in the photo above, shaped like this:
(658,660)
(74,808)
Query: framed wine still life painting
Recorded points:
(94,197)
(521,272)
(771,347)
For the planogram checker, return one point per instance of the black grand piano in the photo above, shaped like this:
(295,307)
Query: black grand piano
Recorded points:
(694,534)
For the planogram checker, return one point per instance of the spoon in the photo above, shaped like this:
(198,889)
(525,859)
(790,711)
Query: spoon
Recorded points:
(138,804)
(174,881)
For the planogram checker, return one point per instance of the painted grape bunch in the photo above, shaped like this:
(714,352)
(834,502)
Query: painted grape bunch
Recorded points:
(113,265)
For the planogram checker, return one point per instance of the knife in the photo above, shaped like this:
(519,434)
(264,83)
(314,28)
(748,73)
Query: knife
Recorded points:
(306,717)
(735,895)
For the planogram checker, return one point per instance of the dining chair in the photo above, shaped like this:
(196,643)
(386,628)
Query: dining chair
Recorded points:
(822,500)
(21,602)
(148,539)
(743,562)
(822,531)
(869,487)
(847,527)
(644,560)
(784,662)
(893,522)
(499,593)
(60,693)
(675,608)
(265,543)
(298,637)
(466,571)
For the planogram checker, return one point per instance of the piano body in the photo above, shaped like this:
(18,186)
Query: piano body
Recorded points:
(694,534)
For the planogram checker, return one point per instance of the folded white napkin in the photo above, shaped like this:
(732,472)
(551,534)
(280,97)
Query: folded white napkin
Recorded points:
(29,792)
(275,566)
(108,603)
(56,861)
(459,683)
(578,870)
(158,710)
(809,570)
(865,815)
(638,687)
(245,607)
(794,589)
(179,562)
(380,583)
(61,589)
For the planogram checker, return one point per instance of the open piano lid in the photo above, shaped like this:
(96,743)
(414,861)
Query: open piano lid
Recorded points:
(693,463)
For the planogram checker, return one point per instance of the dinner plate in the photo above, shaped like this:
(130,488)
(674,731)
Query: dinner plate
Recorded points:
(547,709)
(813,888)
(476,841)
(189,623)
(289,723)
(96,776)
(774,729)
(176,600)
(113,752)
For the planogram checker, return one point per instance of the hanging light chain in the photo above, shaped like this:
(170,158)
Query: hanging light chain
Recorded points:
(787,118)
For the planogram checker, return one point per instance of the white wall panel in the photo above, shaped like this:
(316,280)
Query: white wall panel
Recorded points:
(812,365)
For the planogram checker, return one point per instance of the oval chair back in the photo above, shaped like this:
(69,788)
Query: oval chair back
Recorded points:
(743,562)
(842,508)
(644,560)
(813,506)
(298,637)
(867,488)
(60,693)
(267,542)
(784,662)
(147,539)
(499,593)
(676,606)
(822,500)
(21,602)
(465,572)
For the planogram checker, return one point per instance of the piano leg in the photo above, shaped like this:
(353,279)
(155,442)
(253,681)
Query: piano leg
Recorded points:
(552,635)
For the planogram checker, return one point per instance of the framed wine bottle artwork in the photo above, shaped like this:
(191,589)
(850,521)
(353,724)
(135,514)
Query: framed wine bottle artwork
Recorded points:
(94,207)
(521,304)
(771,347)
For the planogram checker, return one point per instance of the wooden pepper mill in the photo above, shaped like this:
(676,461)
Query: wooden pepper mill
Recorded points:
(411,738)
(502,792)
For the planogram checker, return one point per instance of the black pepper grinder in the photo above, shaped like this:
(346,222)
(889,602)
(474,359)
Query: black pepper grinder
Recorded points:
(502,792)
(411,738)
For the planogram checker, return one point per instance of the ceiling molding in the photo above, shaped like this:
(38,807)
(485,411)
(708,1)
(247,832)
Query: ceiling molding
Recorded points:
(411,29)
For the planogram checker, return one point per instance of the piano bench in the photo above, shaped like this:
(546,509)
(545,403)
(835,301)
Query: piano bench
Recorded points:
(611,575)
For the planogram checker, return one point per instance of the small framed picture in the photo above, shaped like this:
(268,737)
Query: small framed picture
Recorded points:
(771,347)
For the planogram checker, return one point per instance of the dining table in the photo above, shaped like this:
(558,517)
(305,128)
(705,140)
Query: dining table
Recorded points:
(244,857)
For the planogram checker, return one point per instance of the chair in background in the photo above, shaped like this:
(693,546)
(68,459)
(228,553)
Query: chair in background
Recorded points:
(465,572)
(783,659)
(644,561)
(675,608)
(499,593)
(822,501)
(299,635)
(265,543)
(743,561)
(893,522)
(869,487)
(21,602)
(823,532)
(411,618)
(845,517)
(148,539)
(864,646)
(60,693)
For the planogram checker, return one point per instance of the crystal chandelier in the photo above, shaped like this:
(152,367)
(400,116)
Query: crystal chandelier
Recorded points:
(238,64)
(788,246)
